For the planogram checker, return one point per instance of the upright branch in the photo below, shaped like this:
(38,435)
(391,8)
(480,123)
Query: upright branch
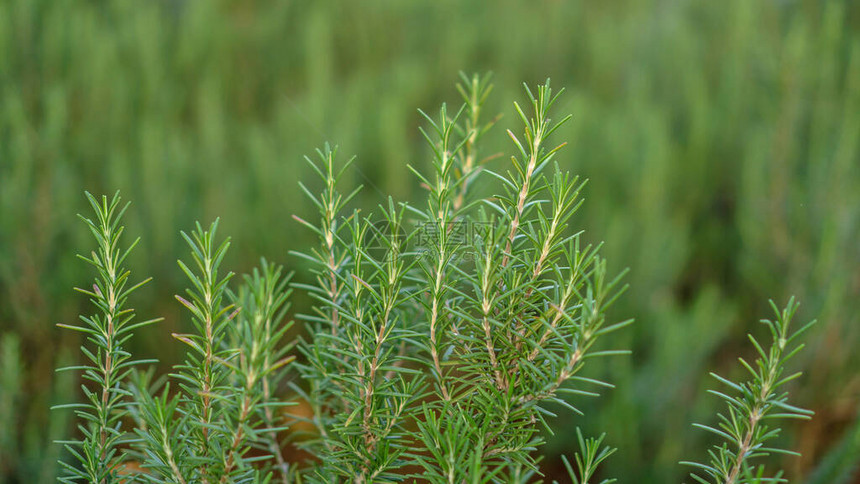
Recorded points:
(262,302)
(388,295)
(453,140)
(162,432)
(474,90)
(752,403)
(522,189)
(533,156)
(268,295)
(436,231)
(100,450)
(359,386)
(591,454)
(329,259)
(203,373)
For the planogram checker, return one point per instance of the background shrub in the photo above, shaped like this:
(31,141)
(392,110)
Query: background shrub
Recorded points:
(720,140)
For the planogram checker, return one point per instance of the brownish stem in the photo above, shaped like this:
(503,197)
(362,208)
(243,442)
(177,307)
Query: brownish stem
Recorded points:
(238,436)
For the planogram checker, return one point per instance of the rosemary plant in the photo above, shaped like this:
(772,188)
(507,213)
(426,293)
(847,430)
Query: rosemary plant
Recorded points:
(442,338)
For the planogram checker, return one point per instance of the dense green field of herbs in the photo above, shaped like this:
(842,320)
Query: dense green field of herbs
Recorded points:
(721,142)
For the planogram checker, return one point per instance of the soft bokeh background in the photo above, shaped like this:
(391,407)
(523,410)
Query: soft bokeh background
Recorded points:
(721,140)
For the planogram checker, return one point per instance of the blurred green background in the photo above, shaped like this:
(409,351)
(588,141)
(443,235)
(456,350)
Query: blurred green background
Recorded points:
(721,140)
